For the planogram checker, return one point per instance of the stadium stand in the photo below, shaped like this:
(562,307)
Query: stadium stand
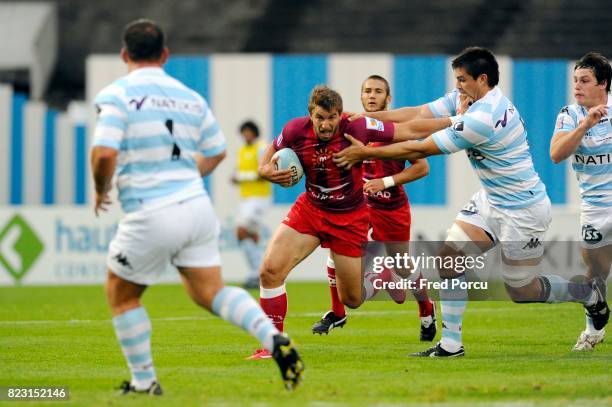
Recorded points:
(521,29)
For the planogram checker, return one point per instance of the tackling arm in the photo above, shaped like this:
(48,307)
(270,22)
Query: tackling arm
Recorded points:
(419,128)
(407,150)
(402,114)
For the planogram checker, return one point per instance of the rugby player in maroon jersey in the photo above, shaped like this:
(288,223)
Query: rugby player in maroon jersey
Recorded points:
(332,212)
(390,218)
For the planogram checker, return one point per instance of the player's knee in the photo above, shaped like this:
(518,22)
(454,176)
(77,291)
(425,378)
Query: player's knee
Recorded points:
(444,270)
(351,300)
(120,307)
(521,282)
(527,293)
(271,273)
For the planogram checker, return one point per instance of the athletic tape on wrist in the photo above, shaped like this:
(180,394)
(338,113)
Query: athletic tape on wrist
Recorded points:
(389,182)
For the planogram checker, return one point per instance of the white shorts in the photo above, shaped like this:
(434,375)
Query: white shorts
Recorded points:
(251,213)
(184,234)
(520,231)
(596,224)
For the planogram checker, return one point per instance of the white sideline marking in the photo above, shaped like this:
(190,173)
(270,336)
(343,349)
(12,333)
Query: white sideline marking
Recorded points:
(360,314)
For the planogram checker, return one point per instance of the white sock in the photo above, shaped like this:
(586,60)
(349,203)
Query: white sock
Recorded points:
(133,330)
(235,305)
(562,290)
(368,284)
(453,302)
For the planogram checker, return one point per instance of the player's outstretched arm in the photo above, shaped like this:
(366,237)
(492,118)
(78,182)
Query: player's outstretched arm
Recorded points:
(419,128)
(418,169)
(565,143)
(103,163)
(407,150)
(403,114)
(268,171)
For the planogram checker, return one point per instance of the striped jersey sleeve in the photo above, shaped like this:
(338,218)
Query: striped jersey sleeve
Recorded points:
(212,139)
(567,120)
(445,106)
(473,129)
(111,123)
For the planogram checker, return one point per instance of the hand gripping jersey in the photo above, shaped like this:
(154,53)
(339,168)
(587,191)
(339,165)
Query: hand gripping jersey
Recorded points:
(327,186)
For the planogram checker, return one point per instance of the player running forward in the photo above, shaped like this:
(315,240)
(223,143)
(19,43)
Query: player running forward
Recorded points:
(584,131)
(332,212)
(390,219)
(149,130)
(512,208)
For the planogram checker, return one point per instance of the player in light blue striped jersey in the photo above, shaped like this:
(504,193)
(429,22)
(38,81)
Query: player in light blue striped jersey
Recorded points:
(584,132)
(159,138)
(512,208)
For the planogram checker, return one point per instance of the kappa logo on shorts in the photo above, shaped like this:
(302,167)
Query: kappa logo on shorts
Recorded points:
(532,243)
(590,234)
(122,259)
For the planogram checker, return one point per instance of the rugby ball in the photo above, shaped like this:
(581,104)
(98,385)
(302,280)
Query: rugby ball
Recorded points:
(288,160)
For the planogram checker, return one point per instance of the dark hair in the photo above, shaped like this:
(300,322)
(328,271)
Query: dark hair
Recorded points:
(477,61)
(144,40)
(379,78)
(599,65)
(249,125)
(325,97)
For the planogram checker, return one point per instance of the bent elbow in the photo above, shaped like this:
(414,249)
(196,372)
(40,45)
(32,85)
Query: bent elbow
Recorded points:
(221,156)
(556,157)
(425,170)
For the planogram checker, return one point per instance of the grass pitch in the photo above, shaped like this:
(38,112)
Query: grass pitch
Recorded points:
(515,354)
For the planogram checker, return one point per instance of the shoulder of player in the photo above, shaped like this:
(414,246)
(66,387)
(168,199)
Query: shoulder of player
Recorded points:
(296,126)
(115,93)
(172,82)
(571,110)
(357,123)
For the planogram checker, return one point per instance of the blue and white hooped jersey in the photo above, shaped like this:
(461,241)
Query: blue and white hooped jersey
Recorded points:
(158,125)
(495,139)
(592,160)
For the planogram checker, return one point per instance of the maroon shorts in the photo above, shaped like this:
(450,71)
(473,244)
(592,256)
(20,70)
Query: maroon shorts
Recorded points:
(343,233)
(390,225)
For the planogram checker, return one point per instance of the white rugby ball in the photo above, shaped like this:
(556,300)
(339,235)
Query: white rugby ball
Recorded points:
(288,160)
